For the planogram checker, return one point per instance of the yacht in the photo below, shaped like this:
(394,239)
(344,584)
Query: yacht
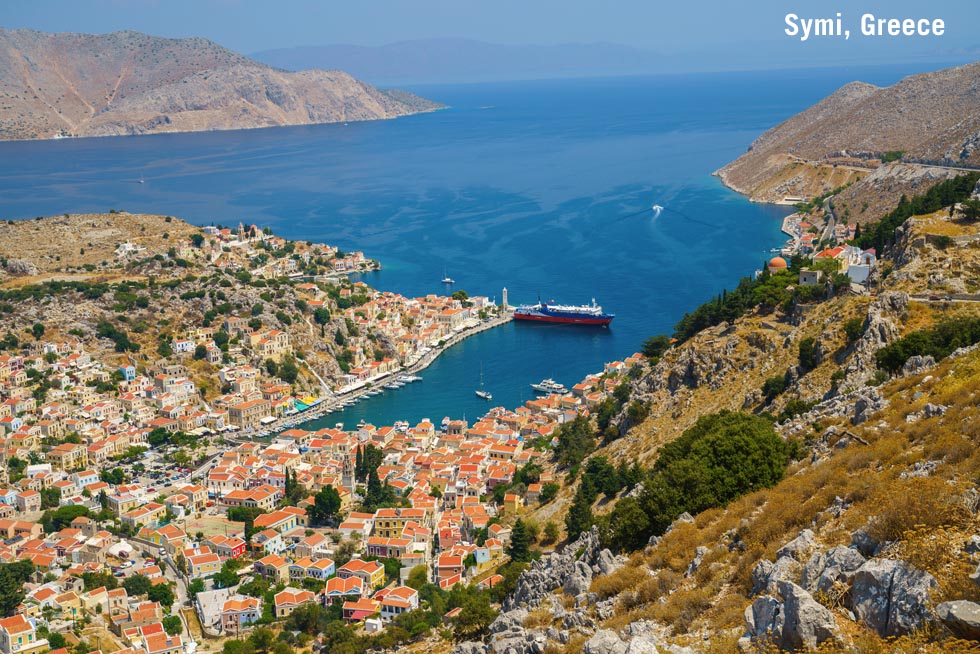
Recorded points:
(549,386)
(481,392)
(446,279)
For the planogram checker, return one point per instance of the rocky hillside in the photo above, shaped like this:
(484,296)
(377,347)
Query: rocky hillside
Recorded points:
(871,540)
(932,118)
(130,83)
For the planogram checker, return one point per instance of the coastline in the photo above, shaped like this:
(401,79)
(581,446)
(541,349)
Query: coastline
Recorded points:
(338,399)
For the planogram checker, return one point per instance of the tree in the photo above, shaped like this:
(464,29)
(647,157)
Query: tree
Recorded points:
(37,331)
(195,587)
(161,593)
(227,576)
(550,532)
(58,519)
(579,516)
(200,352)
(262,639)
(575,441)
(971,210)
(288,371)
(628,525)
(519,548)
(476,613)
(137,585)
(197,240)
(13,576)
(808,354)
(723,456)
(548,492)
(326,504)
(172,624)
(655,346)
(321,316)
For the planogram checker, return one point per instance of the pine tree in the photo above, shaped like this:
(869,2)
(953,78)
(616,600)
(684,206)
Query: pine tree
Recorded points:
(359,465)
(579,517)
(519,549)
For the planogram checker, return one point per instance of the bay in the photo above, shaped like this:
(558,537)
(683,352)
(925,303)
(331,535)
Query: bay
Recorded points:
(541,187)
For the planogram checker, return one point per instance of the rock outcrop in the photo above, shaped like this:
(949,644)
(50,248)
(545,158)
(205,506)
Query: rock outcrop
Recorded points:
(891,597)
(571,571)
(961,617)
(795,622)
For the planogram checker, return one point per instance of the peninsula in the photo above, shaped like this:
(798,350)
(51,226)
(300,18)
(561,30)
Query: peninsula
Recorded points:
(72,85)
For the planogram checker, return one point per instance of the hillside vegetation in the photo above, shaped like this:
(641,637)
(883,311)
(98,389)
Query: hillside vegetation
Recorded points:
(801,471)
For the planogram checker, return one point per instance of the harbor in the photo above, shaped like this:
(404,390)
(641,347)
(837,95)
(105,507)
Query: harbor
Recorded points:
(364,392)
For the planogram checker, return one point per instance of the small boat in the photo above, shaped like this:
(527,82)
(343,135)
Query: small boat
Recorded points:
(446,279)
(392,386)
(480,392)
(549,386)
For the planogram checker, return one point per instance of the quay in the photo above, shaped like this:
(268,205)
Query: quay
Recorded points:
(338,399)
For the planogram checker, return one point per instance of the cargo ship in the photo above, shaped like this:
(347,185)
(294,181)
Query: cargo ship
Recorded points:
(588,314)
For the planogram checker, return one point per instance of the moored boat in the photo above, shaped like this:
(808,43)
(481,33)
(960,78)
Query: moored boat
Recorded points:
(587,314)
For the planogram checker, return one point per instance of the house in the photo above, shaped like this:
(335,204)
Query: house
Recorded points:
(68,456)
(162,643)
(268,542)
(238,613)
(29,501)
(397,600)
(810,277)
(289,598)
(372,573)
(272,567)
(203,565)
(361,609)
(18,635)
(341,589)
(249,414)
(230,547)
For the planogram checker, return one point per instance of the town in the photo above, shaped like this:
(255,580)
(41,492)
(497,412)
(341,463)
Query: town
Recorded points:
(152,503)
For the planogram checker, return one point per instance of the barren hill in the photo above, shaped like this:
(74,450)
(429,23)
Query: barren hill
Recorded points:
(130,83)
(932,118)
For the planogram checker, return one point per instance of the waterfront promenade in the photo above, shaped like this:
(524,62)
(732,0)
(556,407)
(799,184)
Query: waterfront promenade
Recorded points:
(339,399)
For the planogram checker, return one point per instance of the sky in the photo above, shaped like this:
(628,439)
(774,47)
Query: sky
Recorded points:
(670,27)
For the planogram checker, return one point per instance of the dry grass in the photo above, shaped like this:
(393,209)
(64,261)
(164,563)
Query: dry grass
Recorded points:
(538,618)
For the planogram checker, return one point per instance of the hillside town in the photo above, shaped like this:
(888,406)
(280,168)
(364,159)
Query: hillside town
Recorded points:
(122,495)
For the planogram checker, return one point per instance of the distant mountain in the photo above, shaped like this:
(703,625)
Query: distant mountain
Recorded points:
(130,83)
(454,60)
(464,60)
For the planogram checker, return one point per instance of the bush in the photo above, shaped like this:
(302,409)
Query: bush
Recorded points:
(808,354)
(853,329)
(946,193)
(938,342)
(723,456)
(774,386)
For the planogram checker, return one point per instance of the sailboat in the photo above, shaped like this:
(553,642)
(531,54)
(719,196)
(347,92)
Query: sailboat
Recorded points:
(446,279)
(480,392)
(142,181)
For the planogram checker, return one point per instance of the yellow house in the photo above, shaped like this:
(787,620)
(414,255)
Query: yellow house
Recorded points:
(512,503)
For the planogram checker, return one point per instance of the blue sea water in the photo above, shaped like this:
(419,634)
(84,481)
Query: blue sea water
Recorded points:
(541,187)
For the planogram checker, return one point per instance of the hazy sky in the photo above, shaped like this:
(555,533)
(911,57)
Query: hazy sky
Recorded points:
(665,26)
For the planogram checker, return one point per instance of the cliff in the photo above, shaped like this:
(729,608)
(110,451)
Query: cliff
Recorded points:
(130,83)
(932,119)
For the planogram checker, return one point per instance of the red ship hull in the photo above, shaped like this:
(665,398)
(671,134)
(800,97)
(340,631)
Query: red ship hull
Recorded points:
(603,322)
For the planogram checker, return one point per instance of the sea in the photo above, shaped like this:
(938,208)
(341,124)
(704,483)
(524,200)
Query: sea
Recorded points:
(544,188)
